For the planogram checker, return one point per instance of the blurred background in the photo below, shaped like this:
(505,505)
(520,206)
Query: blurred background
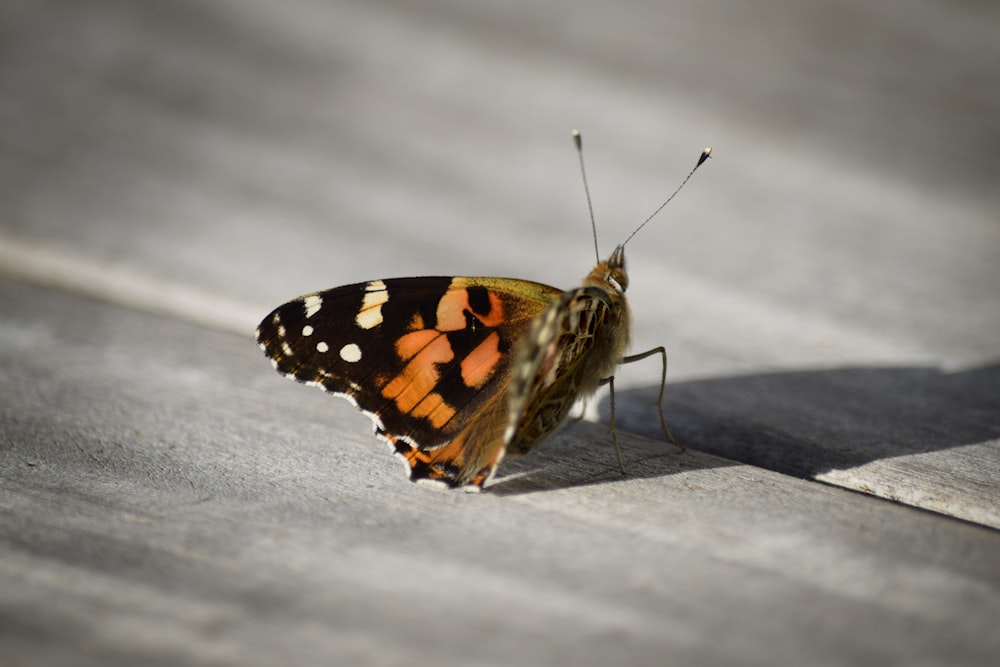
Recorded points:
(213,159)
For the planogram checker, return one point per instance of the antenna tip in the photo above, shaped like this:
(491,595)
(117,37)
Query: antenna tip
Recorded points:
(705,154)
(577,139)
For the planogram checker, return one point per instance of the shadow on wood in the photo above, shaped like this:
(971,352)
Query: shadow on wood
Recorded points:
(805,423)
(582,454)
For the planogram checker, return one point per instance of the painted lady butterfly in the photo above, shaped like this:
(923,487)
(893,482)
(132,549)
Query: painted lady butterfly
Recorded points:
(457,372)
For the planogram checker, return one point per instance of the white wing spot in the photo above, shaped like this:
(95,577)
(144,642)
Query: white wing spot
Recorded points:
(286,348)
(350,353)
(307,330)
(312,304)
(370,315)
(322,347)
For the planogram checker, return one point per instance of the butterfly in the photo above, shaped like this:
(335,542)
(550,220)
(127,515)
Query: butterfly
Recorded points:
(459,373)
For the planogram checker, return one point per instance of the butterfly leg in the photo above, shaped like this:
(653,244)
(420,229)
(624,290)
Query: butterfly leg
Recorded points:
(614,436)
(663,383)
(659,401)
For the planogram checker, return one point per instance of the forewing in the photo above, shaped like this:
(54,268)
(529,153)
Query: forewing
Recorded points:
(421,356)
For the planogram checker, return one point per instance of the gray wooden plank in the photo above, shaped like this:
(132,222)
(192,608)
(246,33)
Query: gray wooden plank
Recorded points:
(168,500)
(213,160)
(827,287)
(914,435)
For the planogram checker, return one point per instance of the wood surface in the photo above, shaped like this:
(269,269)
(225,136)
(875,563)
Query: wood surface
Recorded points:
(827,286)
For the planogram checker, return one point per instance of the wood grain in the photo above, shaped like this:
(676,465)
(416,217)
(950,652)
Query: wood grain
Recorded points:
(167,502)
(826,288)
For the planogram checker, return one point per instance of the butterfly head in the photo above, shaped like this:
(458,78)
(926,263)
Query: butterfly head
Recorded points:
(616,269)
(611,273)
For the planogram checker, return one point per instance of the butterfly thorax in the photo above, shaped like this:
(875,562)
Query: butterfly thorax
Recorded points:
(574,344)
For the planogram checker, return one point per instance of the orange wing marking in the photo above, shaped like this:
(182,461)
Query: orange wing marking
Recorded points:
(455,304)
(414,386)
(479,365)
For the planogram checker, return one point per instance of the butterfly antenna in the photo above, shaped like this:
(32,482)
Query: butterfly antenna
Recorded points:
(578,140)
(705,154)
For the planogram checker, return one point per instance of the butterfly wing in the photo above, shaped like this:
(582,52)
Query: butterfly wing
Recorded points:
(428,359)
